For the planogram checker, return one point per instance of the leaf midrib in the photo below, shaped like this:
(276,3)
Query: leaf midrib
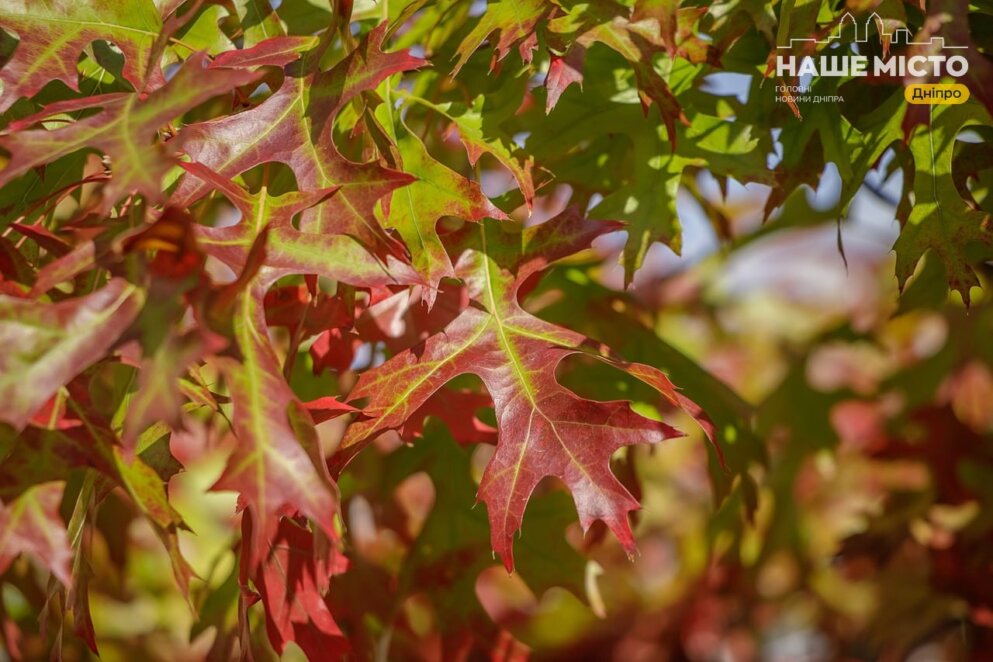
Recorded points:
(70,21)
(519,371)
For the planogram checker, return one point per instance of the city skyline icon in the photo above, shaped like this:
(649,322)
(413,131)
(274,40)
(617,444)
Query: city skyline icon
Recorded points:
(897,37)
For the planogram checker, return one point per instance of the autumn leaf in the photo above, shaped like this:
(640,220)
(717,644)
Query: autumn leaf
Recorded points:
(159,397)
(736,447)
(676,27)
(544,429)
(665,13)
(563,71)
(124,129)
(288,582)
(38,456)
(438,192)
(277,466)
(288,250)
(293,126)
(31,524)
(457,408)
(514,20)
(51,36)
(481,137)
(273,466)
(50,343)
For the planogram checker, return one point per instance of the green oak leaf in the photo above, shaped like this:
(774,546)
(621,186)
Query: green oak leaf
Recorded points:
(941,221)
(438,192)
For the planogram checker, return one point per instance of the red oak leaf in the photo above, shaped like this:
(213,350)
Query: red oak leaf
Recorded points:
(124,129)
(289,582)
(293,126)
(46,345)
(562,72)
(288,250)
(277,464)
(544,429)
(53,34)
(31,523)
